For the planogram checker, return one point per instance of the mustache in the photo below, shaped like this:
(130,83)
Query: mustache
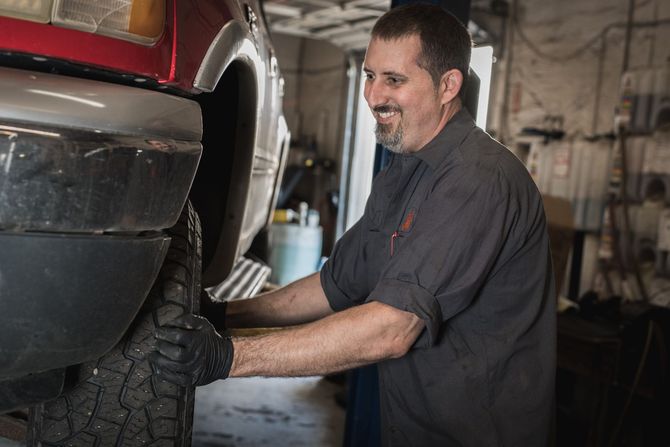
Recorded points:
(386,109)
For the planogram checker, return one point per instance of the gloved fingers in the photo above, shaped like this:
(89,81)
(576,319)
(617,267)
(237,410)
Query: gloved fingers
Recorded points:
(188,321)
(163,363)
(173,377)
(174,335)
(174,352)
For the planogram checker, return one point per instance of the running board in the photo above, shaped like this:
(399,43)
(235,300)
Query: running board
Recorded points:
(246,280)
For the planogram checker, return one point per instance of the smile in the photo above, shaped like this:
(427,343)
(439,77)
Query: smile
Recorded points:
(386,115)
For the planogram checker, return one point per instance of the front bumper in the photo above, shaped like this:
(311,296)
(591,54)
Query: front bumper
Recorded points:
(89,174)
(68,299)
(70,180)
(87,156)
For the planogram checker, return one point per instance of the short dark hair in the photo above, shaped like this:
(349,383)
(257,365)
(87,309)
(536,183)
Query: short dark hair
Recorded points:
(445,43)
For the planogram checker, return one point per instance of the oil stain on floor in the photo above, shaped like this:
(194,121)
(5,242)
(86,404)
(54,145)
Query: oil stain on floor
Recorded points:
(256,412)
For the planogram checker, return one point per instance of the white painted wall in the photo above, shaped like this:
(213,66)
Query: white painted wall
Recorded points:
(553,80)
(314,103)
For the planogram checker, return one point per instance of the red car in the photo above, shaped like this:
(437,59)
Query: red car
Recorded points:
(141,148)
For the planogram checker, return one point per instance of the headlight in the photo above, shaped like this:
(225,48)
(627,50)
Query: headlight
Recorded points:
(140,21)
(34,10)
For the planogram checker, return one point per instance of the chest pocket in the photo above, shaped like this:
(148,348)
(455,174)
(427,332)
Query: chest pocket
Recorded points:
(406,220)
(403,230)
(398,201)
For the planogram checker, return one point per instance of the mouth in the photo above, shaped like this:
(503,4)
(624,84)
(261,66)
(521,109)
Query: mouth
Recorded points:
(385,114)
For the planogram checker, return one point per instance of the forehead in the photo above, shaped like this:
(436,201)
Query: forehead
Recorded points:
(394,55)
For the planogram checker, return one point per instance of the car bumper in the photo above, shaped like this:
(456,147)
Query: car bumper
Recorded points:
(85,156)
(89,174)
(68,299)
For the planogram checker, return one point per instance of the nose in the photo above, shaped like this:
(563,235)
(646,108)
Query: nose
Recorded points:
(374,93)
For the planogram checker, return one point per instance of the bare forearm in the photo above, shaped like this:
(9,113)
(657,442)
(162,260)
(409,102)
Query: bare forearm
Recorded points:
(348,339)
(300,302)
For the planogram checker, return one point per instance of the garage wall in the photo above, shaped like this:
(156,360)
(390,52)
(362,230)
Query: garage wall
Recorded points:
(566,53)
(287,49)
(314,103)
(565,73)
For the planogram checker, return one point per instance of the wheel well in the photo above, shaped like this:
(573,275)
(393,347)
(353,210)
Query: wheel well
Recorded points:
(221,183)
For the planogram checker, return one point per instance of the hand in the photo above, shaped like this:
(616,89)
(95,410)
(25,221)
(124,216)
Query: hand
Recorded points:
(190,352)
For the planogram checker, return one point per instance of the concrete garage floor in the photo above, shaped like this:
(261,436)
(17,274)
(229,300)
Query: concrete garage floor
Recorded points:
(257,412)
(268,412)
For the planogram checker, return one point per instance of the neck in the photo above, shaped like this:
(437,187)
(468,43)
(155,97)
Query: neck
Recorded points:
(448,111)
(446,114)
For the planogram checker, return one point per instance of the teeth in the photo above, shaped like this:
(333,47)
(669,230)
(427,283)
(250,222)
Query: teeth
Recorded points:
(387,114)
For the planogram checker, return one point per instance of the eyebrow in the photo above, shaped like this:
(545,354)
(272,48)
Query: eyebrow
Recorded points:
(386,73)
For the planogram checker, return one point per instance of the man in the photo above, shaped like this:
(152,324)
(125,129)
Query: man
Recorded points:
(445,282)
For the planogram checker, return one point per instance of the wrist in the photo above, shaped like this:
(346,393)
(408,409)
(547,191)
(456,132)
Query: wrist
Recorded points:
(228,357)
(222,360)
(236,359)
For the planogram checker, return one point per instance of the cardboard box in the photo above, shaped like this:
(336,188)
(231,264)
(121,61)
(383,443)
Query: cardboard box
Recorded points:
(561,227)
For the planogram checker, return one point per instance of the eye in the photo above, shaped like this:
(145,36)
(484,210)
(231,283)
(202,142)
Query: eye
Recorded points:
(393,80)
(369,76)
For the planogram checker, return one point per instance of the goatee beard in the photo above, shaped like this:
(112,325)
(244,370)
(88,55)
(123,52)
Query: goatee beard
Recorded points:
(389,138)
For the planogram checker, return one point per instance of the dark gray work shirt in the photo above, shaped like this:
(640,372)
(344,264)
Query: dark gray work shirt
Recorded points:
(456,234)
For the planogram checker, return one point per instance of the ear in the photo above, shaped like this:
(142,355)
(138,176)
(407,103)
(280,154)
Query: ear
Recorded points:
(450,84)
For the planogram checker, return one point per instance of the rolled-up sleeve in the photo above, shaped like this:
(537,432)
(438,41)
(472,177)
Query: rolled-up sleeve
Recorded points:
(341,274)
(441,264)
(411,297)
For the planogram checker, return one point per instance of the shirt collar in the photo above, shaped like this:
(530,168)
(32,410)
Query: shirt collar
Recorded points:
(449,138)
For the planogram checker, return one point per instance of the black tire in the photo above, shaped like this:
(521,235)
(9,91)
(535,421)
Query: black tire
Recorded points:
(117,400)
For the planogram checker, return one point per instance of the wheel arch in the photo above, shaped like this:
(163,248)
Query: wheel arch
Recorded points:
(230,76)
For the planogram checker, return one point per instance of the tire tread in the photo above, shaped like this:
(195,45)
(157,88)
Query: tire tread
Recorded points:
(117,400)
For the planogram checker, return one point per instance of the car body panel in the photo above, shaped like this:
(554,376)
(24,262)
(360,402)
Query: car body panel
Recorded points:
(246,47)
(90,49)
(190,27)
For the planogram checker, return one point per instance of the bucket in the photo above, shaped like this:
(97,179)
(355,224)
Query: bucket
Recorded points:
(295,251)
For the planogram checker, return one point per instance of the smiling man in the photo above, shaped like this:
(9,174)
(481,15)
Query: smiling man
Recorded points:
(409,105)
(445,281)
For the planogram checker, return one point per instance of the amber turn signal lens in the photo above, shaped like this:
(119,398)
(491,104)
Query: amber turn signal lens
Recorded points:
(147,18)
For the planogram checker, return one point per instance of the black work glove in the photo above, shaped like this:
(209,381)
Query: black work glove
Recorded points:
(190,352)
(214,310)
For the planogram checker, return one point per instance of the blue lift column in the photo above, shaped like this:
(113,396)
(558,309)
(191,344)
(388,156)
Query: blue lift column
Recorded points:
(362,428)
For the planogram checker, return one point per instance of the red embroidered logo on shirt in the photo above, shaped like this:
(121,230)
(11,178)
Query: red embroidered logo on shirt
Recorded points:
(407,224)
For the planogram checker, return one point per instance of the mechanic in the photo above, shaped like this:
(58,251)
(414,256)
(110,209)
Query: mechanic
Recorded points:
(445,282)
